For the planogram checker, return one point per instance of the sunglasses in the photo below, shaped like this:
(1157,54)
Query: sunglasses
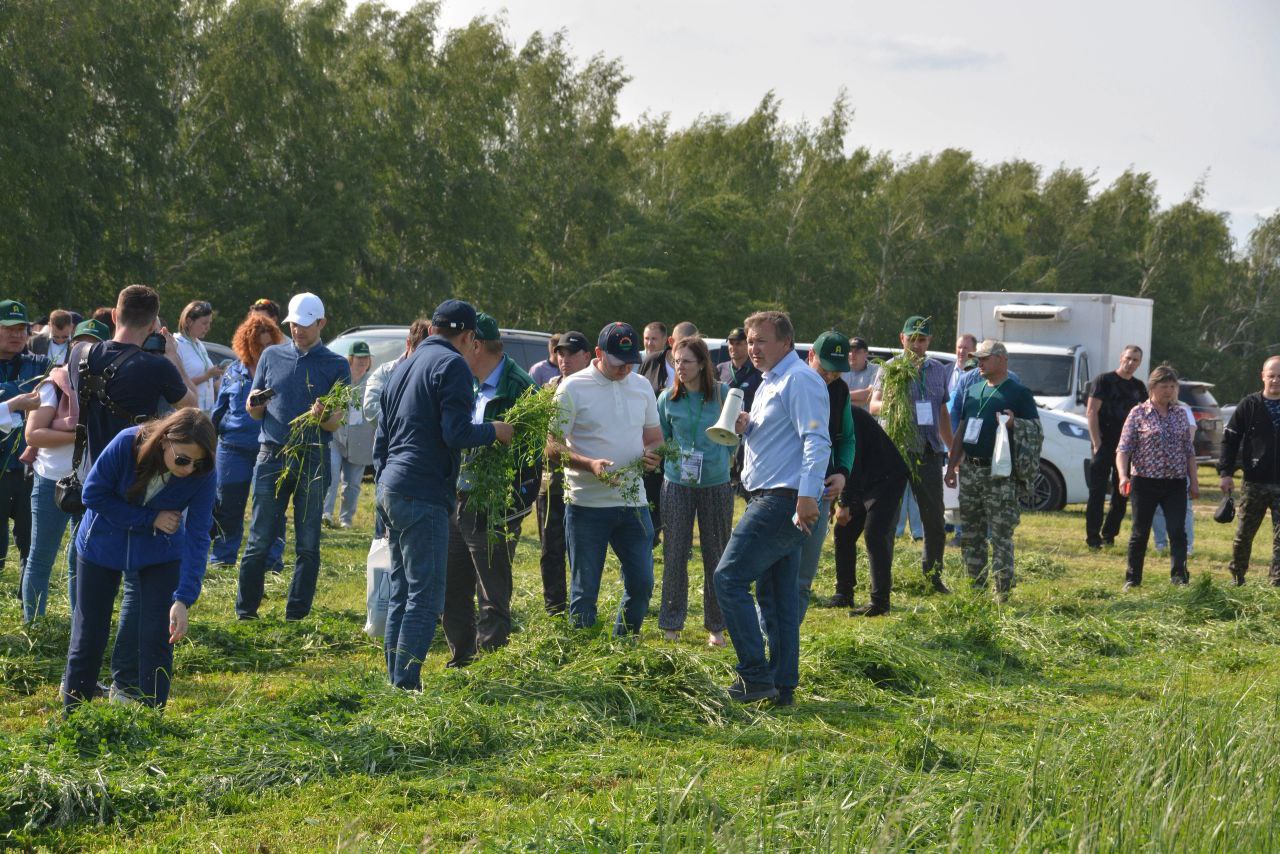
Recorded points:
(183,460)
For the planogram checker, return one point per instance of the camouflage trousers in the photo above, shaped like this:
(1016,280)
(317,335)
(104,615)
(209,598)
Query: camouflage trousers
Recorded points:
(988,510)
(1255,499)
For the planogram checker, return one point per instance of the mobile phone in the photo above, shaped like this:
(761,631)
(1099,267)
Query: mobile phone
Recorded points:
(261,396)
(154,343)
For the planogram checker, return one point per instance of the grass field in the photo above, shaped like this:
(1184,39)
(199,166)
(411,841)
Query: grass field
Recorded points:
(1075,717)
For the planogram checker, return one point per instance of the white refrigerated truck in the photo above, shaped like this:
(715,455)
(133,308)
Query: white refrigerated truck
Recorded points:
(1058,342)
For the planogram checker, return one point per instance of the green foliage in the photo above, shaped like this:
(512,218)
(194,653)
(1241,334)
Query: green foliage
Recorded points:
(897,413)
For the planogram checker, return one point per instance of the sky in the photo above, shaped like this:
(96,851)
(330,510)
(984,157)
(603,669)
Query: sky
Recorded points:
(1184,90)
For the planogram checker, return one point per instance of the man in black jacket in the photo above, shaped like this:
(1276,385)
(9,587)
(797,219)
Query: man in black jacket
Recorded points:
(868,505)
(1252,438)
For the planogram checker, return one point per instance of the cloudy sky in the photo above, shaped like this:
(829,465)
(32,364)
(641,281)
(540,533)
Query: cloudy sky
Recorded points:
(1182,89)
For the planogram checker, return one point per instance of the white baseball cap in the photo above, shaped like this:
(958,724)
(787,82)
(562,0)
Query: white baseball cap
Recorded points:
(304,309)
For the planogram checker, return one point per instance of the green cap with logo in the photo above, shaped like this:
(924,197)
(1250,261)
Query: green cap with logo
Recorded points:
(917,325)
(833,351)
(92,328)
(487,328)
(360,348)
(12,313)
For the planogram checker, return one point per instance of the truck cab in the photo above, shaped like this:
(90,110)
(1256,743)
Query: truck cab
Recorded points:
(1058,376)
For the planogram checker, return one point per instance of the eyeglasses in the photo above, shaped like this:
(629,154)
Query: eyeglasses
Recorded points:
(686,363)
(183,461)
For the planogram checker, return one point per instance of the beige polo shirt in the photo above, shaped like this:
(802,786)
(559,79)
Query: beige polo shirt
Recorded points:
(604,419)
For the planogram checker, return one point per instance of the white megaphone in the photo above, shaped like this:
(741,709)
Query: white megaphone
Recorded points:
(722,432)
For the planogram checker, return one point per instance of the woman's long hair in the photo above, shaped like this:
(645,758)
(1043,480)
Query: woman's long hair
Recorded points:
(185,427)
(246,341)
(707,382)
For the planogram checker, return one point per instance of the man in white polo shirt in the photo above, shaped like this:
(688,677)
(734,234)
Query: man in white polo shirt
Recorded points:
(610,418)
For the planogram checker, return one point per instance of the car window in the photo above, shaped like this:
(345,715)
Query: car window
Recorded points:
(1196,395)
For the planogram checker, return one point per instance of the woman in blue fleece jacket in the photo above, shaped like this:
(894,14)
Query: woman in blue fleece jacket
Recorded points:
(149,508)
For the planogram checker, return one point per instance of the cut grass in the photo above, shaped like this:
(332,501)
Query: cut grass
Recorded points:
(1075,717)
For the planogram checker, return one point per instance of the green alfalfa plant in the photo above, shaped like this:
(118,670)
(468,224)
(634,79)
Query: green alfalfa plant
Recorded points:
(491,470)
(628,478)
(304,431)
(897,410)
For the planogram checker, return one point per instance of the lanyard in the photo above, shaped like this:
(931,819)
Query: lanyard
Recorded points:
(988,398)
(695,421)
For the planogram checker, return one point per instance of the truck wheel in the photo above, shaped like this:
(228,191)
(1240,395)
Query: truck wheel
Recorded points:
(1048,491)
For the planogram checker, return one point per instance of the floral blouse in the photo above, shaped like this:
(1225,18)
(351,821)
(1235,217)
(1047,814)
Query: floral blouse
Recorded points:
(1158,446)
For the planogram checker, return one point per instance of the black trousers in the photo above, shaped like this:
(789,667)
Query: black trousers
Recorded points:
(1170,494)
(15,504)
(479,571)
(1104,479)
(875,518)
(927,488)
(550,508)
(653,494)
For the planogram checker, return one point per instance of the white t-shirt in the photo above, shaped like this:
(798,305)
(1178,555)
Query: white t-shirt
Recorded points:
(53,463)
(195,361)
(604,419)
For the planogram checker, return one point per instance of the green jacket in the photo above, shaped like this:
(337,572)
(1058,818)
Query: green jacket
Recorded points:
(513,383)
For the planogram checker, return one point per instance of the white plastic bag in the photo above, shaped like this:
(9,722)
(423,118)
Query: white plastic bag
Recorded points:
(377,587)
(1002,456)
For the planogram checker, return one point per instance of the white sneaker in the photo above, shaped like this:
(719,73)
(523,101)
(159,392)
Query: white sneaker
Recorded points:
(121,697)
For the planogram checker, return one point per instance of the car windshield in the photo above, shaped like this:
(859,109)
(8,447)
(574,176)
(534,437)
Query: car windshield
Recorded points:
(1044,374)
(1196,395)
(384,346)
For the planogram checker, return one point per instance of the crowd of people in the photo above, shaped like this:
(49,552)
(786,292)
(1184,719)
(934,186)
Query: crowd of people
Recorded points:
(151,454)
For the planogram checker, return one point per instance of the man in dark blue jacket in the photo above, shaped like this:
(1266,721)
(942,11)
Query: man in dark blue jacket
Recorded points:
(427,407)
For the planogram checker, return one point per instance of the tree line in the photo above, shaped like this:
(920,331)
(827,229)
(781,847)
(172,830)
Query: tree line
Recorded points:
(233,150)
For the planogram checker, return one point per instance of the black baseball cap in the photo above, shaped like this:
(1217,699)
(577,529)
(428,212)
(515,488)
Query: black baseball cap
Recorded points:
(737,334)
(858,343)
(574,342)
(620,341)
(454,314)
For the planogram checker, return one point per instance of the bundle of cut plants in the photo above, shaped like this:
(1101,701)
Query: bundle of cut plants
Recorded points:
(304,431)
(493,471)
(897,410)
(627,478)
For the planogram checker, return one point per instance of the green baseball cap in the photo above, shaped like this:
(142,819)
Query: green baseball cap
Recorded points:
(92,328)
(487,328)
(360,348)
(12,313)
(917,325)
(833,351)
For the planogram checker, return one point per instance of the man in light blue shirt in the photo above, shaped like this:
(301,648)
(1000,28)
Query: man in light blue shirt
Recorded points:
(784,466)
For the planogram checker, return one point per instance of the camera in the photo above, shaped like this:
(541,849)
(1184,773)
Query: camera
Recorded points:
(154,343)
(261,396)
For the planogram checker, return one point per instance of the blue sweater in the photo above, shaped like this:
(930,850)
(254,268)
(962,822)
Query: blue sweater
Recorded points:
(236,427)
(119,534)
(427,406)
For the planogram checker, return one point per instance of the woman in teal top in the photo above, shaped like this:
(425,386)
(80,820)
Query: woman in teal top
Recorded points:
(696,484)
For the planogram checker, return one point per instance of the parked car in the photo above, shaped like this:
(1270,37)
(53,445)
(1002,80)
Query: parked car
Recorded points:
(1210,423)
(387,343)
(219,353)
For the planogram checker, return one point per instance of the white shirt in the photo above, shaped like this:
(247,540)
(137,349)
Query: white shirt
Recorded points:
(58,352)
(53,463)
(195,361)
(604,419)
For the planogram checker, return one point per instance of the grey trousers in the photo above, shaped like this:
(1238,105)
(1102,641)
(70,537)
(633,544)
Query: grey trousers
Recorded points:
(479,571)
(713,508)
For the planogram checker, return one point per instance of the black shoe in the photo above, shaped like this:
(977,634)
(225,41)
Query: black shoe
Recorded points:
(1097,547)
(869,611)
(786,697)
(1178,580)
(1108,541)
(839,600)
(1131,585)
(246,616)
(1237,578)
(939,586)
(750,692)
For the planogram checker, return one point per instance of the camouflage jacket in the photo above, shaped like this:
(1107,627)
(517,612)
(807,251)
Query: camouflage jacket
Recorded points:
(1028,439)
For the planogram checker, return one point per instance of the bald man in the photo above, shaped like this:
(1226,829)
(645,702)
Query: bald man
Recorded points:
(1251,438)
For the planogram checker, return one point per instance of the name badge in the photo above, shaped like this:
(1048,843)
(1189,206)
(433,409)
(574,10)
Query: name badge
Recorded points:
(972,430)
(924,413)
(691,466)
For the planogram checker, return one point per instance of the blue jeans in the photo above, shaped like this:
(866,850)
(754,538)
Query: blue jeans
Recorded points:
(589,531)
(419,535)
(305,483)
(764,550)
(91,627)
(48,524)
(235,476)
(352,476)
(810,553)
(909,513)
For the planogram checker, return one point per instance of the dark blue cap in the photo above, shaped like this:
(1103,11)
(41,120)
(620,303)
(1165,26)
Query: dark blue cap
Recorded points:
(620,340)
(454,314)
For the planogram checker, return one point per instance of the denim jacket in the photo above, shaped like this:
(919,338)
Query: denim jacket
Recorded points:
(236,427)
(120,534)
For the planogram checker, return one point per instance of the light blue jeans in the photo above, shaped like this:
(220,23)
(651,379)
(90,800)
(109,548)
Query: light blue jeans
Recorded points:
(1159,530)
(351,475)
(910,512)
(48,525)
